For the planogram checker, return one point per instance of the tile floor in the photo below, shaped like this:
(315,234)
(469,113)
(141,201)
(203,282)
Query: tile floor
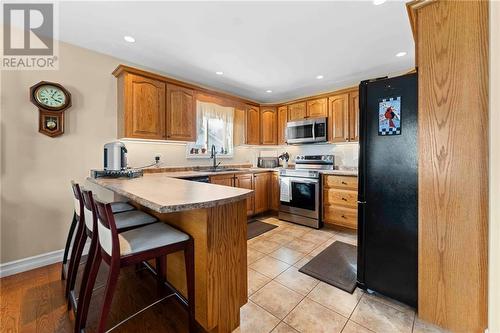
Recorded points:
(283,300)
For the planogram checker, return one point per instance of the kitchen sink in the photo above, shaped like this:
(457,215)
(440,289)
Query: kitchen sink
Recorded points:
(221,169)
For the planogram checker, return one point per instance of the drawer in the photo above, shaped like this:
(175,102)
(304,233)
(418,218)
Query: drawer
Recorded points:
(347,182)
(340,197)
(346,217)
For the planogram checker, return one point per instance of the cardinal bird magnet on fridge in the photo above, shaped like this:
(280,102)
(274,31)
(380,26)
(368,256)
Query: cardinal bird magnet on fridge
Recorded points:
(389,116)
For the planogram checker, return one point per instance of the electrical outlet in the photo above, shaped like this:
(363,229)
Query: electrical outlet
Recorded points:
(157,158)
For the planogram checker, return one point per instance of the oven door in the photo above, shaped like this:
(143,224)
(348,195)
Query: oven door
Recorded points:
(303,131)
(304,199)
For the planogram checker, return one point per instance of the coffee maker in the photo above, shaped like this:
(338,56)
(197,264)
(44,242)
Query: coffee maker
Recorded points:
(115,156)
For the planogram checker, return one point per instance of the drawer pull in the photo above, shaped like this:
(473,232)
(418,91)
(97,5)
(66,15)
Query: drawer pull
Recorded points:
(344,183)
(343,216)
(344,199)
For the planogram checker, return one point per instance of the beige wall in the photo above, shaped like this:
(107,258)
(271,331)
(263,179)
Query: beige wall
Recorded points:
(494,234)
(36,204)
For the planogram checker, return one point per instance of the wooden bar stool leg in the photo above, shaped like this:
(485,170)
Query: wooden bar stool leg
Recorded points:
(114,272)
(71,233)
(75,263)
(84,301)
(189,262)
(161,270)
(85,279)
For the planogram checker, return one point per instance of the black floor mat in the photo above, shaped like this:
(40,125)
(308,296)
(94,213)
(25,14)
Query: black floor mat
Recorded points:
(256,228)
(335,265)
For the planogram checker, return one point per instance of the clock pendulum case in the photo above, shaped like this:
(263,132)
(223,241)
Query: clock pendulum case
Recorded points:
(51,99)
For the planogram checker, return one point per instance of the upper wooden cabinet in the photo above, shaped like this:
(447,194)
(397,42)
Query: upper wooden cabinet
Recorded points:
(181,113)
(282,120)
(343,117)
(338,118)
(141,103)
(268,125)
(354,116)
(253,125)
(317,108)
(297,111)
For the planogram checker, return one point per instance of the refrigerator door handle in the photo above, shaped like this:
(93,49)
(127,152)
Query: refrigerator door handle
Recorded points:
(361,202)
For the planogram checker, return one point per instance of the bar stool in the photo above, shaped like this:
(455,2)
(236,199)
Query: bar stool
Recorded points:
(118,207)
(153,241)
(125,220)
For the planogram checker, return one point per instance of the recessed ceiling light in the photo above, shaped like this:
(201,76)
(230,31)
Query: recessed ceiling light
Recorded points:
(269,91)
(219,73)
(378,2)
(129,39)
(400,54)
(319,77)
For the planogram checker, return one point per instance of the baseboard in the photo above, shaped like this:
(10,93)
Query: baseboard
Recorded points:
(27,264)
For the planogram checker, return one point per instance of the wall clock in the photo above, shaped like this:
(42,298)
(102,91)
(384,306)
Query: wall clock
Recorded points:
(51,99)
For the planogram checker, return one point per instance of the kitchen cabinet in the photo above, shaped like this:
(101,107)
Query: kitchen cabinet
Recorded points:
(338,119)
(181,113)
(282,120)
(297,111)
(141,107)
(262,182)
(354,116)
(317,108)
(275,191)
(246,181)
(268,125)
(340,195)
(226,179)
(253,125)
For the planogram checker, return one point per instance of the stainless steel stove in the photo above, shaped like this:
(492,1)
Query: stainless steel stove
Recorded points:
(300,189)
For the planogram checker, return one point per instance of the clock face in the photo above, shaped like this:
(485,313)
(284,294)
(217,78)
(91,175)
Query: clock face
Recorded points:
(50,96)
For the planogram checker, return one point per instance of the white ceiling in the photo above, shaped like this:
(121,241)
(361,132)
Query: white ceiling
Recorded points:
(280,46)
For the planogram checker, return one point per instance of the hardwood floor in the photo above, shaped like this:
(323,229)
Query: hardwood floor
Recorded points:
(34,301)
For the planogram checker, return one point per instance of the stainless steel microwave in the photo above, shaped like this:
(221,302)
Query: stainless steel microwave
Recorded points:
(306,131)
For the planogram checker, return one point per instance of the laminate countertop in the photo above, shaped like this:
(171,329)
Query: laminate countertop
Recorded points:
(201,173)
(165,194)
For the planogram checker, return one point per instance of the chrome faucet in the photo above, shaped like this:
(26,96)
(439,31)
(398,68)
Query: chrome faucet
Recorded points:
(214,156)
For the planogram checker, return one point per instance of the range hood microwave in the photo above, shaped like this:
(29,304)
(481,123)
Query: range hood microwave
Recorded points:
(306,131)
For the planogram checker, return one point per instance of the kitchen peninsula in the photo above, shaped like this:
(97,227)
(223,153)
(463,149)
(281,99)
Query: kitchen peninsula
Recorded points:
(215,216)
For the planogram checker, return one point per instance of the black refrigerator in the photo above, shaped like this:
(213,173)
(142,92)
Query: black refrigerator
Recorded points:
(388,188)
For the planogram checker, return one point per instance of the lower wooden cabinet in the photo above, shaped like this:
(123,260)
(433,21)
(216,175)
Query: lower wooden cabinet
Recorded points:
(246,181)
(340,200)
(275,191)
(226,179)
(262,182)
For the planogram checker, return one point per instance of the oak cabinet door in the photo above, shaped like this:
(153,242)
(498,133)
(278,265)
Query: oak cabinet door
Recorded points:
(268,125)
(246,181)
(144,109)
(275,192)
(261,184)
(317,108)
(226,180)
(181,114)
(354,116)
(297,111)
(338,118)
(253,125)
(282,120)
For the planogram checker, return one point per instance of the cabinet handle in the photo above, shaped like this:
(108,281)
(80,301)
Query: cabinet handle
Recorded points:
(343,216)
(344,183)
(344,199)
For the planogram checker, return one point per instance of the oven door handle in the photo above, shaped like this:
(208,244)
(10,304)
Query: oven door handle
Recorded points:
(303,180)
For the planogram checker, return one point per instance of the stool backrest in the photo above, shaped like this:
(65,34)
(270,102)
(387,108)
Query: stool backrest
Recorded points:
(106,228)
(89,210)
(77,198)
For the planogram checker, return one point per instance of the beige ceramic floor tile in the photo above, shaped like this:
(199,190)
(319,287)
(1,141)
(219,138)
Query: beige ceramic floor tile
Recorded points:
(265,246)
(254,319)
(253,255)
(310,316)
(392,303)
(316,236)
(287,255)
(303,261)
(335,298)
(256,281)
(421,326)
(382,318)
(269,266)
(322,246)
(352,327)
(293,231)
(281,238)
(284,328)
(297,281)
(276,299)
(301,245)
